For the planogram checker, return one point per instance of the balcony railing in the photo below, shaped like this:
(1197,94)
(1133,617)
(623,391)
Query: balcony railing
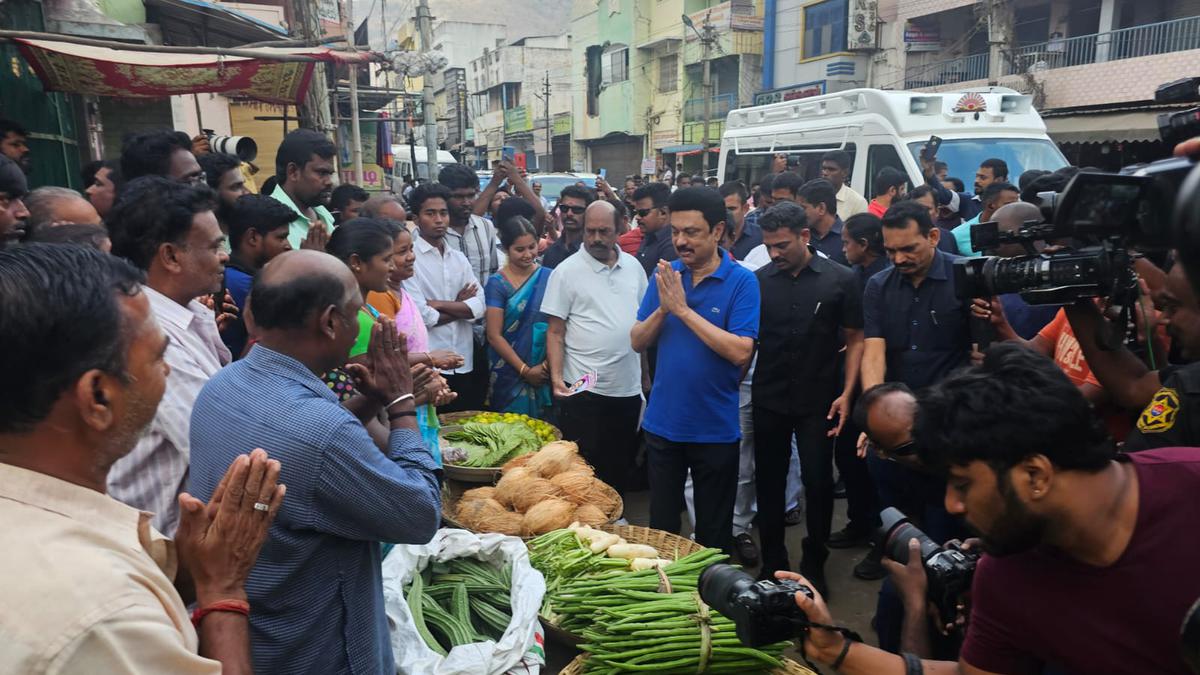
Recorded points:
(1127,43)
(974,67)
(693,109)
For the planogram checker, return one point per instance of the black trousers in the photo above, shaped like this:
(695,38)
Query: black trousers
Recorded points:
(605,427)
(471,387)
(862,501)
(714,468)
(772,451)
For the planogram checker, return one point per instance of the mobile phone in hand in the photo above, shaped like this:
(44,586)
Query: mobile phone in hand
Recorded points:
(929,152)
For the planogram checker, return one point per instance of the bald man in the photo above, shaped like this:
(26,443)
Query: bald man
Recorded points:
(50,206)
(591,303)
(385,206)
(1025,319)
(322,557)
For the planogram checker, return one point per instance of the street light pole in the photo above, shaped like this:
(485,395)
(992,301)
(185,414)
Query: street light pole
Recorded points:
(706,40)
(549,131)
(425,26)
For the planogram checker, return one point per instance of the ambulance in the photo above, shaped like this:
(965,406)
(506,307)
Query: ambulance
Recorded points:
(889,128)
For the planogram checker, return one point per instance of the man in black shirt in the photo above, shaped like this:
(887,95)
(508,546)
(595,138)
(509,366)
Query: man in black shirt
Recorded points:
(650,204)
(572,202)
(819,201)
(809,304)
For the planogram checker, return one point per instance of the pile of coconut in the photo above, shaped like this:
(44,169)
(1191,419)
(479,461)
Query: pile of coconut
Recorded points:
(540,492)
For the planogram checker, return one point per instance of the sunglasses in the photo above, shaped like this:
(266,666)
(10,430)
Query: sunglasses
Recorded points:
(563,208)
(642,213)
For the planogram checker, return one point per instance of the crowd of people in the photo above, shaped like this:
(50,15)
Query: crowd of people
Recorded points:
(257,374)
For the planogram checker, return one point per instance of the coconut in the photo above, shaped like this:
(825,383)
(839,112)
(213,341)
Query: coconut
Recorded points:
(603,496)
(533,491)
(580,464)
(471,511)
(512,484)
(504,522)
(590,515)
(547,515)
(479,493)
(554,458)
(519,460)
(575,486)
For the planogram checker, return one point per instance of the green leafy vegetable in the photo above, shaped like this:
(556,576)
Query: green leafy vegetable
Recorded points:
(490,445)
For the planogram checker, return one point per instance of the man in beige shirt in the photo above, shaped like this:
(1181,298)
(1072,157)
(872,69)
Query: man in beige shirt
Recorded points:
(85,582)
(835,168)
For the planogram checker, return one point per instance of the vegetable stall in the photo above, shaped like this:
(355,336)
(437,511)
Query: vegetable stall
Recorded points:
(622,598)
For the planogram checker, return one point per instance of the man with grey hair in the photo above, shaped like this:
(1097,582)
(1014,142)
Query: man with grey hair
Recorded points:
(49,206)
(385,206)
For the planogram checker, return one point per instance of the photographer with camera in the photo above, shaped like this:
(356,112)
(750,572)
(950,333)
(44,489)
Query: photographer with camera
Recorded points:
(1084,569)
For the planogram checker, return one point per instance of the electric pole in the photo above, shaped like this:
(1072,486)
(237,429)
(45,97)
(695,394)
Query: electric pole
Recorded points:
(549,130)
(707,37)
(425,26)
(356,158)
(314,112)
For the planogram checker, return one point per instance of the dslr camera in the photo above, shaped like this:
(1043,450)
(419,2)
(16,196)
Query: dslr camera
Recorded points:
(949,568)
(763,611)
(1100,217)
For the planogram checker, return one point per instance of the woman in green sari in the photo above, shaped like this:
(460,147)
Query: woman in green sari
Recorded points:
(518,380)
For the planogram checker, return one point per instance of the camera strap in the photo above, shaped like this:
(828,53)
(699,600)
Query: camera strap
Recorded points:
(843,631)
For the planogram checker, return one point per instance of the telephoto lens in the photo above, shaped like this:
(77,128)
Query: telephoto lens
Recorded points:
(897,531)
(763,611)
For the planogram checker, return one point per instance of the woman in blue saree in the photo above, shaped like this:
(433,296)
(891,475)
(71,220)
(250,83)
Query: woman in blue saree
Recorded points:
(518,379)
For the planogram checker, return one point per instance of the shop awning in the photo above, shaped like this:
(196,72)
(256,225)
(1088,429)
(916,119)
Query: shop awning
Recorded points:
(676,149)
(102,71)
(1140,125)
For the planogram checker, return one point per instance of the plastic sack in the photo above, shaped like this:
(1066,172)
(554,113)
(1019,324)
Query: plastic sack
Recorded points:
(519,650)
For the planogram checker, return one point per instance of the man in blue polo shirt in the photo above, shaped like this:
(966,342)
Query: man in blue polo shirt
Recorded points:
(701,312)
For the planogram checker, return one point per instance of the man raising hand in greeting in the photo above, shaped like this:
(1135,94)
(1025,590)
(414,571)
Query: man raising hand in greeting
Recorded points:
(701,311)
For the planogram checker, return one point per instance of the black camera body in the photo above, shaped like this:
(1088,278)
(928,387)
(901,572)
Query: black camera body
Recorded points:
(949,569)
(763,611)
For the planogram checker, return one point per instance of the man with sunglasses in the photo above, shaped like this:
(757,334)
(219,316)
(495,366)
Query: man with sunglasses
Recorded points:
(650,202)
(572,202)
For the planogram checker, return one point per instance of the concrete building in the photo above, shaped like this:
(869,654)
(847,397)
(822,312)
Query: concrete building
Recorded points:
(1091,65)
(510,109)
(813,47)
(642,102)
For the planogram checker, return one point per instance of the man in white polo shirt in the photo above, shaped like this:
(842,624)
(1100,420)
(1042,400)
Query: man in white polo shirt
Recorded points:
(591,303)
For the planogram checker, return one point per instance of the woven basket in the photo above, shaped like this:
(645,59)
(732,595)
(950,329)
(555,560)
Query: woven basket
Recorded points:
(670,546)
(790,667)
(458,417)
(451,493)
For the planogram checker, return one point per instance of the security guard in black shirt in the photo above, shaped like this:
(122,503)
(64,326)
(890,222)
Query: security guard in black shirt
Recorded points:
(1169,398)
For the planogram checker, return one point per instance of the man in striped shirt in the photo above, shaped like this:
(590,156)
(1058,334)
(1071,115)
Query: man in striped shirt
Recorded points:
(168,230)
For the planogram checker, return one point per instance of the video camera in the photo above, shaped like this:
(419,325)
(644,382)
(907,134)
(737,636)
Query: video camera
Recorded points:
(763,611)
(1101,216)
(949,569)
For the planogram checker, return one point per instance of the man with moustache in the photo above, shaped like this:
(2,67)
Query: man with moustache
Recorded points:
(701,312)
(572,202)
(168,230)
(13,213)
(650,207)
(223,173)
(1074,534)
(591,302)
(304,171)
(916,331)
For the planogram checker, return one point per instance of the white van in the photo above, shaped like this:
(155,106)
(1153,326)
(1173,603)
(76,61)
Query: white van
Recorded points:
(404,160)
(889,128)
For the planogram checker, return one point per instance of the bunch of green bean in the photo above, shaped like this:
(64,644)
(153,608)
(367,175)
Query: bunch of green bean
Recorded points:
(670,633)
(560,556)
(460,602)
(576,601)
